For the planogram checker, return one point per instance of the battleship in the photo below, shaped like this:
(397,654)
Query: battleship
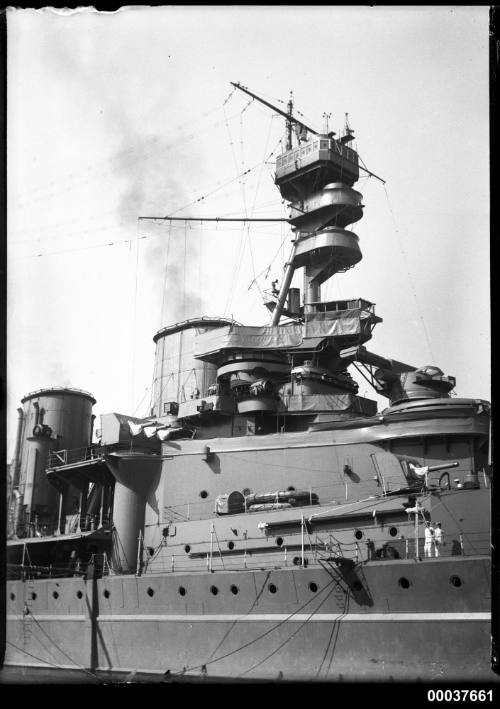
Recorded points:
(264,520)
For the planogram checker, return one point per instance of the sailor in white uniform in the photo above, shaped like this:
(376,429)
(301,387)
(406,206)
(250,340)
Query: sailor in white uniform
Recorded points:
(438,538)
(429,539)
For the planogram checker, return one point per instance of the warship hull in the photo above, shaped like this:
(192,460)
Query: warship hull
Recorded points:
(262,521)
(295,593)
(294,633)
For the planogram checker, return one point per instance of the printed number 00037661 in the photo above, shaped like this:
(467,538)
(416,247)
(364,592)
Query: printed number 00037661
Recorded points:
(460,695)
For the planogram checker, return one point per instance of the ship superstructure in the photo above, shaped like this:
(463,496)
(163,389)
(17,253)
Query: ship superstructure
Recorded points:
(263,499)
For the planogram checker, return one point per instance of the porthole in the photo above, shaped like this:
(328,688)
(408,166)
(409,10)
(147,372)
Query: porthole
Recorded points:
(203,494)
(187,548)
(272,588)
(358,534)
(313,587)
(404,583)
(393,531)
(33,596)
(230,545)
(456,581)
(234,589)
(297,561)
(279,541)
(182,591)
(150,592)
(106,593)
(12,596)
(79,594)
(55,595)
(214,590)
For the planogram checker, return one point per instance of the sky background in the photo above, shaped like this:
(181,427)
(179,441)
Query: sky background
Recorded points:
(113,116)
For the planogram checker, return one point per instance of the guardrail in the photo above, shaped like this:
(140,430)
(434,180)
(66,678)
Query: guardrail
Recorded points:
(98,562)
(74,455)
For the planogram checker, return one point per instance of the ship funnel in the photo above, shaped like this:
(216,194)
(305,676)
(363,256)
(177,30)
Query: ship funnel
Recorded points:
(137,476)
(178,375)
(17,450)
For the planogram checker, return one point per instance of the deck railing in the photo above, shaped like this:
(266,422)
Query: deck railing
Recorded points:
(74,455)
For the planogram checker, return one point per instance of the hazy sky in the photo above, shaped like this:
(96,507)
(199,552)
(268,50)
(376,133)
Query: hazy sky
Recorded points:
(120,115)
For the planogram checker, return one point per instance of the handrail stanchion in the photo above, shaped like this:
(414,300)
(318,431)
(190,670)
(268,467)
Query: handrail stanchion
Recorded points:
(302,539)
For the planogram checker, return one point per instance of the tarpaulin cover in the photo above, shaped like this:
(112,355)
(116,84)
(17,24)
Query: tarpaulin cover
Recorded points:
(253,338)
(318,402)
(333,324)
(238,337)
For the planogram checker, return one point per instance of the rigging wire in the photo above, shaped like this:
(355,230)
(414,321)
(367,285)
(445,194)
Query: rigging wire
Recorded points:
(242,168)
(125,241)
(209,194)
(246,227)
(147,390)
(62,651)
(236,271)
(301,625)
(200,270)
(268,268)
(410,279)
(58,225)
(242,242)
(50,651)
(134,327)
(47,662)
(230,95)
(52,641)
(169,239)
(156,402)
(231,144)
(259,637)
(184,273)
(248,238)
(96,168)
(123,224)
(254,603)
(259,178)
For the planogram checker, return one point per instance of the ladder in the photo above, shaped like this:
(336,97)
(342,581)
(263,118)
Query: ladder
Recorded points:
(348,575)
(29,590)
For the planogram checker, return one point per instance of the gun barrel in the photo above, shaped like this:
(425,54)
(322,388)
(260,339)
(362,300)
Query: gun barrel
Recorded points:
(443,466)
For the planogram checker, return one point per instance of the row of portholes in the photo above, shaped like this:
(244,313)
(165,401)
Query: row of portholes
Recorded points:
(214,590)
(393,531)
(55,595)
(403,582)
(230,544)
(187,547)
(358,534)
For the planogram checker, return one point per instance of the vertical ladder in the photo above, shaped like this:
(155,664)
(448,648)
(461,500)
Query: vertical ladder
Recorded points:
(29,588)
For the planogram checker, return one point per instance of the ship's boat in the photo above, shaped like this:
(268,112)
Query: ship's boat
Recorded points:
(294,498)
(263,519)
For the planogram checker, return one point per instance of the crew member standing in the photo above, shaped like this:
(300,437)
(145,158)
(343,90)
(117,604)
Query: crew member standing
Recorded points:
(438,539)
(429,539)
